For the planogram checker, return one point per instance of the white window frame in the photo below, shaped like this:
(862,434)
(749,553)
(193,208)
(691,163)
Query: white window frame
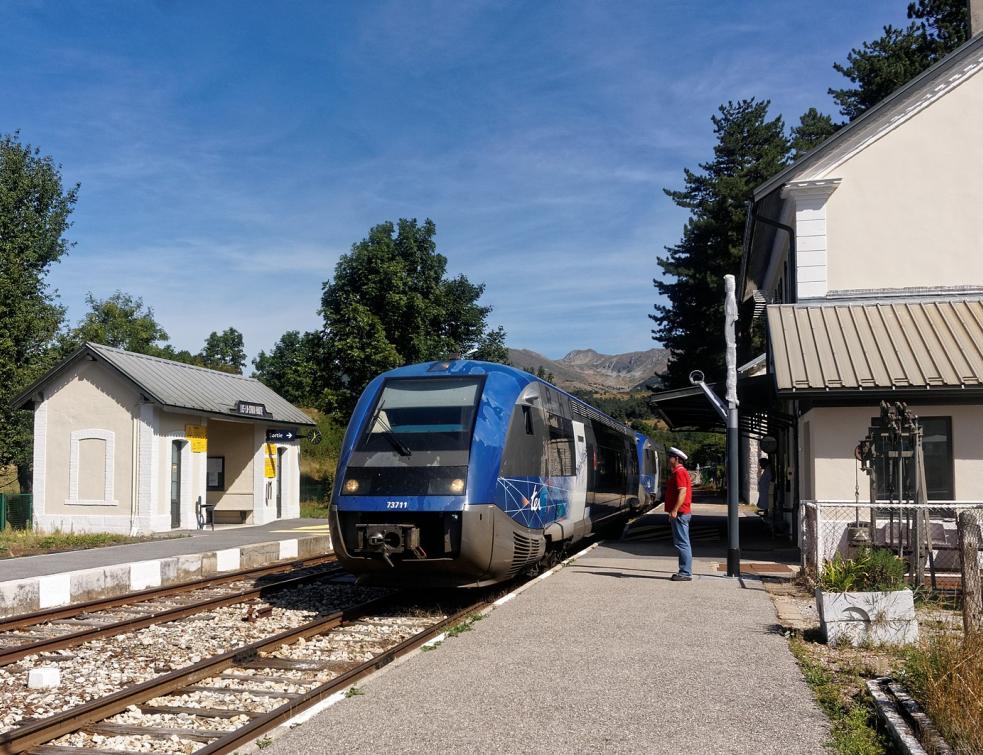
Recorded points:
(109,437)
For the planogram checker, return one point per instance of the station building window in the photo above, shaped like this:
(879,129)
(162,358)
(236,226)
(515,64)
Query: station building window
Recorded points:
(937,447)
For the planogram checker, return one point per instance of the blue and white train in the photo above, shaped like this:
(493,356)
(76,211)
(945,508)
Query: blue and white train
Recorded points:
(466,473)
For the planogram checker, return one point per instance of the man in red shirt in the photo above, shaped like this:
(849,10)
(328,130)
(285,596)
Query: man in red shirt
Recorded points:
(678,502)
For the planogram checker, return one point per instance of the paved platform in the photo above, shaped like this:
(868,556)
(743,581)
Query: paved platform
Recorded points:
(606,655)
(56,579)
(196,542)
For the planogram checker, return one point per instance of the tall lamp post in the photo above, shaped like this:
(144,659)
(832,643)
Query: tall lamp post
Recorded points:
(728,413)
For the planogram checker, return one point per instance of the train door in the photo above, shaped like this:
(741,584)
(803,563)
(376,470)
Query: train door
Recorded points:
(578,496)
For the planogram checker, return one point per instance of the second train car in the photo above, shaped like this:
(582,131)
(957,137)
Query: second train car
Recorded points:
(465,473)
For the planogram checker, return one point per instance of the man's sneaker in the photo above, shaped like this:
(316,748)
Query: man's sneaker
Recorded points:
(681,578)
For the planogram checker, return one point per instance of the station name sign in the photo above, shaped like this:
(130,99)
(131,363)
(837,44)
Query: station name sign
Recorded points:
(251,409)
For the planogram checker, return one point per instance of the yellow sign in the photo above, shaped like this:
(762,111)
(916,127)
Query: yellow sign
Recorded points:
(270,466)
(198,435)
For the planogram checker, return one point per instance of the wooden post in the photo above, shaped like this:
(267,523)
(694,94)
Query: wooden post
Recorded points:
(969,546)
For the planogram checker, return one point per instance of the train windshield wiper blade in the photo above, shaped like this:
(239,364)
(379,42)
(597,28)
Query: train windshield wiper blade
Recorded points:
(390,435)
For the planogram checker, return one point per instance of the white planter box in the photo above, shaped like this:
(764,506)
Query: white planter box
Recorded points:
(879,618)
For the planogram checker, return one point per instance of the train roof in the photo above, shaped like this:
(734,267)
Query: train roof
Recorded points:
(462,367)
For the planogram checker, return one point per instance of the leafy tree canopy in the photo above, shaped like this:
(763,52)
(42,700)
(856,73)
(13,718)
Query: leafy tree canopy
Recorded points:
(750,148)
(391,303)
(879,67)
(34,217)
(224,351)
(120,321)
(292,367)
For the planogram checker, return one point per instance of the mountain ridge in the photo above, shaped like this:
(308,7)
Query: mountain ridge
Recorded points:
(588,369)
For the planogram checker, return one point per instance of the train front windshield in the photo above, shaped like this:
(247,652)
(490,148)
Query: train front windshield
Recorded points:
(417,439)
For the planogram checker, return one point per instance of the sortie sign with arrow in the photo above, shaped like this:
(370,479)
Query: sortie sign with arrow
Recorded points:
(281,434)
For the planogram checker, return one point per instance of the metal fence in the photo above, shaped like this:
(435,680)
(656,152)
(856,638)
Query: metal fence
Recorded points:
(16,511)
(828,528)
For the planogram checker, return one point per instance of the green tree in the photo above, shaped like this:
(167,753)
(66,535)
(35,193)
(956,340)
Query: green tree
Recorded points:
(224,351)
(813,129)
(120,321)
(391,303)
(34,216)
(878,68)
(291,367)
(750,148)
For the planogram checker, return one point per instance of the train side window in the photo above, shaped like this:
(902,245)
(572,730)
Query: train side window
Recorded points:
(560,447)
(523,455)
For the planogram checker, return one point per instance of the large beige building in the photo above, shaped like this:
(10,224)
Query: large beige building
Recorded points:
(866,258)
(131,443)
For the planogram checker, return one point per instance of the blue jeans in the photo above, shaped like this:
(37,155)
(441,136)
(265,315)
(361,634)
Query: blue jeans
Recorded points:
(680,540)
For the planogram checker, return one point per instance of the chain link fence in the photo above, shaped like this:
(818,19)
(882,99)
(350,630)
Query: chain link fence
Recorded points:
(927,536)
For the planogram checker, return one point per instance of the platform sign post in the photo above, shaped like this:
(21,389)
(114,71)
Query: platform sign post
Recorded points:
(730,336)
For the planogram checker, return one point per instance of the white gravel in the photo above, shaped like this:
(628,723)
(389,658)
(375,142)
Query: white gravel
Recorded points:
(101,667)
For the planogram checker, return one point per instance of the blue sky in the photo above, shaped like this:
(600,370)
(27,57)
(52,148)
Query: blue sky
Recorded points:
(229,152)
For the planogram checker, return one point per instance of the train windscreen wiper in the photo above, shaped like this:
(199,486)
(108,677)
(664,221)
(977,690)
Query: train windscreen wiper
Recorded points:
(388,432)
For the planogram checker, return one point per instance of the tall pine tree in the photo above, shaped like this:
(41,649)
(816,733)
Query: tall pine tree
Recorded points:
(878,68)
(750,148)
(813,129)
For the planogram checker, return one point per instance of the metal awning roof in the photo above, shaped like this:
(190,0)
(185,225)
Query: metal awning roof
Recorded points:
(182,386)
(689,409)
(910,346)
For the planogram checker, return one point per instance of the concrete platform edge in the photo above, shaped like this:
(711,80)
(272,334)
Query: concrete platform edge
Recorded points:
(21,596)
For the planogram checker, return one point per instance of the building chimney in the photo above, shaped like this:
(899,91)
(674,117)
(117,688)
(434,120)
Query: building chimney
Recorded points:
(975,17)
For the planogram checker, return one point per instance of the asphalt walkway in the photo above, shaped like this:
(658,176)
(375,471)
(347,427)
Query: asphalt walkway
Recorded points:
(607,655)
(196,542)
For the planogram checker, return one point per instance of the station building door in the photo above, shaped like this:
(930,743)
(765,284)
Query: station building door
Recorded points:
(280,453)
(176,484)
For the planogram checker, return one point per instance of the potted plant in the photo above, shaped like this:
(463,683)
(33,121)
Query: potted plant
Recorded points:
(864,599)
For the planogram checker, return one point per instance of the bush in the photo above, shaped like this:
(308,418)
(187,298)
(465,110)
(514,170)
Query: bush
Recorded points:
(871,570)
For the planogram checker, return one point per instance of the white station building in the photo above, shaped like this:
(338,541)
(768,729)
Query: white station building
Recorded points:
(130,443)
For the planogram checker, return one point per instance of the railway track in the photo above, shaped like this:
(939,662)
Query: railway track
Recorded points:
(69,626)
(227,700)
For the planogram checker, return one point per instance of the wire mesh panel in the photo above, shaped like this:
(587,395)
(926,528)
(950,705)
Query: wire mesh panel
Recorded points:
(926,536)
(16,511)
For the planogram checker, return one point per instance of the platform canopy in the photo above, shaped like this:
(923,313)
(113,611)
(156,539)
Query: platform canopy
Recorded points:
(689,409)
(879,346)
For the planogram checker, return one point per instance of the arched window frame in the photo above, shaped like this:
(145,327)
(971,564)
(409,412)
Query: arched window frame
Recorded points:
(109,438)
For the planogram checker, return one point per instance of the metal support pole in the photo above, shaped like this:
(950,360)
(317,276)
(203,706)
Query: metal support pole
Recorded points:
(733,531)
(733,442)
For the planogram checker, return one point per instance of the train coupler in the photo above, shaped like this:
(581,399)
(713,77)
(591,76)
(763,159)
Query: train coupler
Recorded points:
(385,540)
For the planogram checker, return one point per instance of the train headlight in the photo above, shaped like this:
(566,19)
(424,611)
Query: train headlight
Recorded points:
(457,486)
(351,485)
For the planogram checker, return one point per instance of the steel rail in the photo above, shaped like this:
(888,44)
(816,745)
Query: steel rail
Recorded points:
(100,604)
(14,653)
(263,723)
(44,730)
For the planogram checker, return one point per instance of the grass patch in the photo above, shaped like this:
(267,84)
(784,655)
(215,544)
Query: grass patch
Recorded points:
(944,673)
(14,543)
(465,626)
(314,510)
(853,722)
(354,692)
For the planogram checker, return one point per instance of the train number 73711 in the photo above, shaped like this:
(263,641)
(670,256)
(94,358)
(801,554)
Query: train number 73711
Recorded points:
(397,504)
